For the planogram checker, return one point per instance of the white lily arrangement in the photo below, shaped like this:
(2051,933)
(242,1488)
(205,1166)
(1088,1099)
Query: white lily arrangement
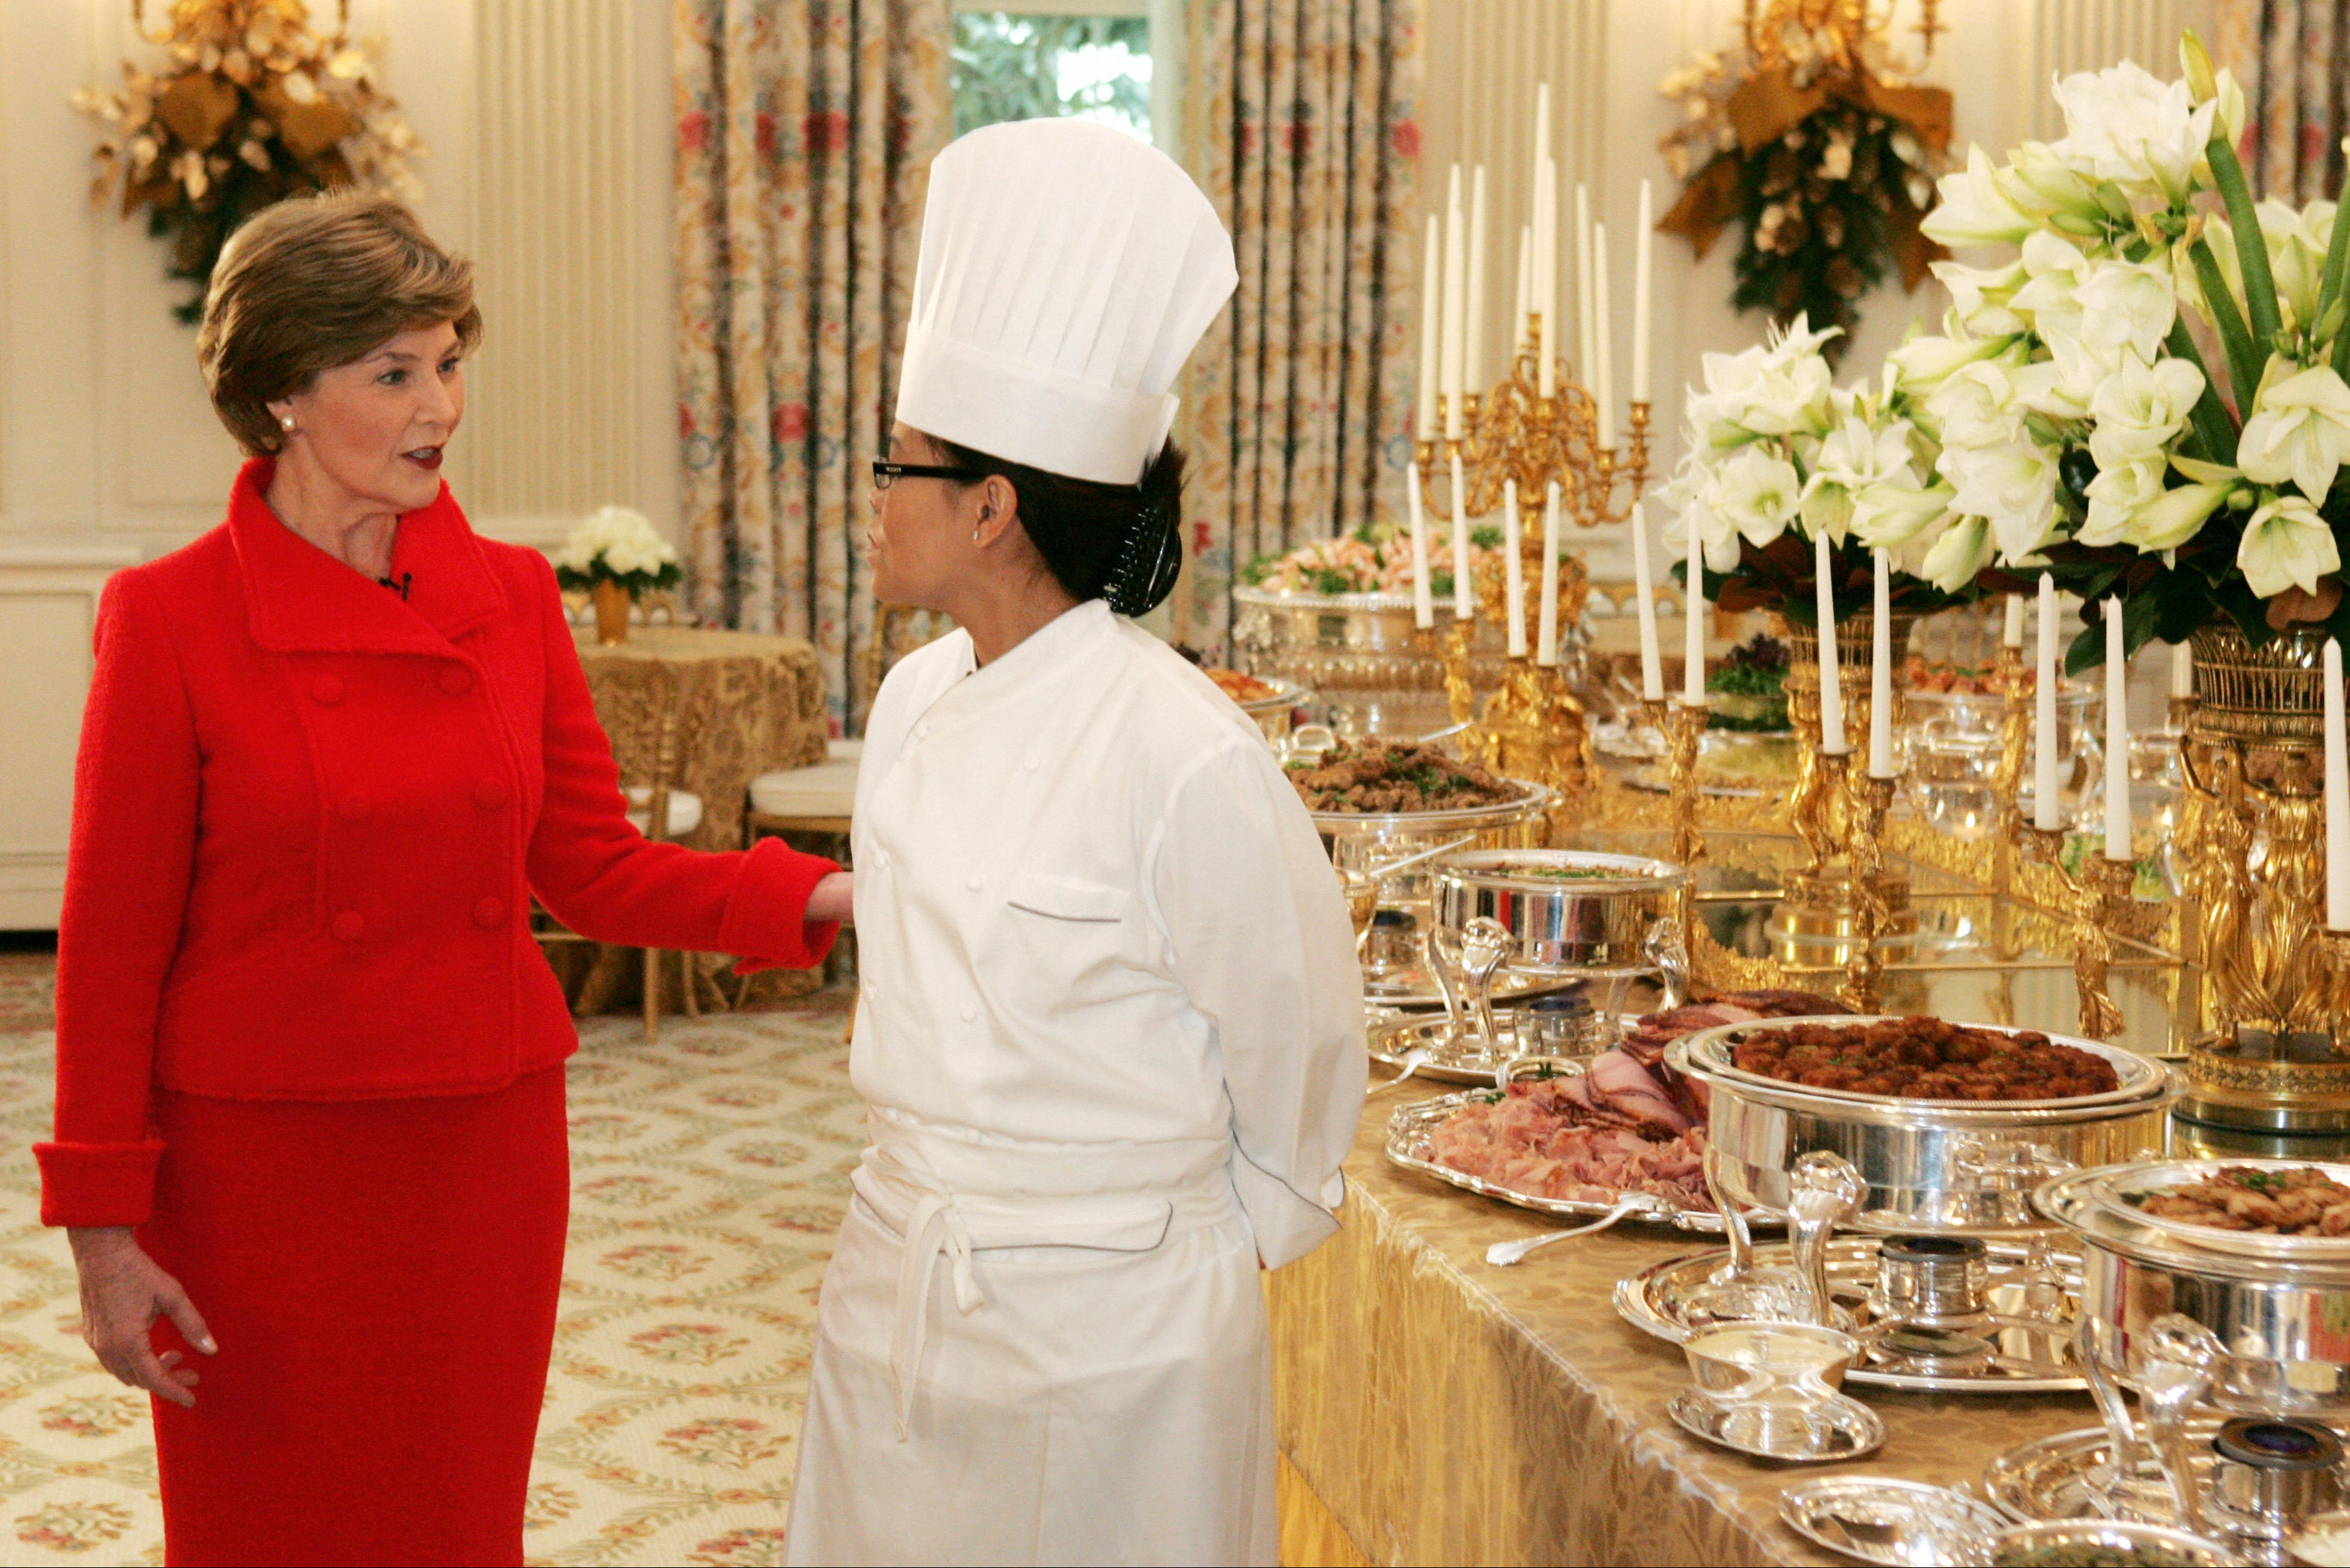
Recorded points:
(2066,420)
(617,545)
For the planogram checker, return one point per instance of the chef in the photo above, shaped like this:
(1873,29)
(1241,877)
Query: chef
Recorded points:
(1110,1033)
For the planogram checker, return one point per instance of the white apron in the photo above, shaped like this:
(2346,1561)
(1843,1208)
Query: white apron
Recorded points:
(1110,1035)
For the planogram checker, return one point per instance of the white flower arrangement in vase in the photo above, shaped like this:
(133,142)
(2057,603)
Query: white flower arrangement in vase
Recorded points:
(616,554)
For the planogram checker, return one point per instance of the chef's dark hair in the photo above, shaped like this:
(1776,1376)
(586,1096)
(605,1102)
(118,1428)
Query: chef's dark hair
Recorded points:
(1122,543)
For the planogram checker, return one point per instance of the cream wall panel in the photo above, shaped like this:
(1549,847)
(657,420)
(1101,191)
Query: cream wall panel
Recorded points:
(48,603)
(1604,59)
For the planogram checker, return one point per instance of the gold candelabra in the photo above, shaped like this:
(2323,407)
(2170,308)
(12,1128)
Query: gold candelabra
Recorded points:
(2104,907)
(1534,724)
(1835,31)
(2007,778)
(1864,967)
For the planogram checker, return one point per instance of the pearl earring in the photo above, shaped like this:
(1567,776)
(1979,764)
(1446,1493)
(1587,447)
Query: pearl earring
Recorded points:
(288,422)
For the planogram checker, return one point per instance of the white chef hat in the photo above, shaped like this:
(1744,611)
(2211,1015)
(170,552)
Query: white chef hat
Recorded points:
(1068,270)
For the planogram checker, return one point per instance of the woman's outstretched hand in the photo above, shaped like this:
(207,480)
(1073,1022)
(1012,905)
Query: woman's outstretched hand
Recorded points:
(831,900)
(123,1293)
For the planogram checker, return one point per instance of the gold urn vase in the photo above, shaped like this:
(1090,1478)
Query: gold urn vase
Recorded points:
(1816,918)
(613,603)
(2273,1053)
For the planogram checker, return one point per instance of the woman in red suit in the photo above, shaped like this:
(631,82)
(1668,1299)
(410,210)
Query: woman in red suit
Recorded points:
(310,1115)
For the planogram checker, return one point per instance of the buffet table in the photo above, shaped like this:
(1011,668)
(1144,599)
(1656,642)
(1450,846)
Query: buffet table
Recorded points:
(1444,1411)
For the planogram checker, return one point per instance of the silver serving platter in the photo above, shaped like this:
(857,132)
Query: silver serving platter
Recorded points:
(2050,1479)
(1833,1429)
(1410,990)
(2110,1190)
(1598,921)
(1657,1302)
(1954,1166)
(2283,1323)
(1886,1520)
(1411,1130)
(2112,1541)
(1462,1056)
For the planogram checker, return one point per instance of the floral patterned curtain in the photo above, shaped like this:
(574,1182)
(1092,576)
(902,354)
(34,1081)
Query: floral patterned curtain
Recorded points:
(805,132)
(2293,57)
(1301,117)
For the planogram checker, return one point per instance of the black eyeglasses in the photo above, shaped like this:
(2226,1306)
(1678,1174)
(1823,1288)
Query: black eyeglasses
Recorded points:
(885,474)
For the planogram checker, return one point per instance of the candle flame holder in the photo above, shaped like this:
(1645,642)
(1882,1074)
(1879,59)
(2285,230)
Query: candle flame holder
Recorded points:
(2103,908)
(2007,778)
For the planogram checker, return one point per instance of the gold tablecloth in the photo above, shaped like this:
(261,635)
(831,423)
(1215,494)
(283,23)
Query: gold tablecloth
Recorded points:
(1448,1411)
(747,705)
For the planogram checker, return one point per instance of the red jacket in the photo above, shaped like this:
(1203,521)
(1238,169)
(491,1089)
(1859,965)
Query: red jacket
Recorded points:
(308,819)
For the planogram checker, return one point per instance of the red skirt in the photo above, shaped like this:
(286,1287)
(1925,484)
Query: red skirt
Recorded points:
(381,1279)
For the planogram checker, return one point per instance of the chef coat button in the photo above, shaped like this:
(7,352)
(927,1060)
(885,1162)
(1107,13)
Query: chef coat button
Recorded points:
(350,926)
(489,912)
(455,679)
(489,794)
(1032,762)
(353,808)
(971,1015)
(973,883)
(328,689)
(922,730)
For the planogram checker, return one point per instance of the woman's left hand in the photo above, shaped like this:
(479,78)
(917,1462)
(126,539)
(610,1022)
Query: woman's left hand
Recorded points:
(831,901)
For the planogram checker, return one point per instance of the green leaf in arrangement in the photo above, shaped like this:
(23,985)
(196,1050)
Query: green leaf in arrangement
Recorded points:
(2251,252)
(2244,359)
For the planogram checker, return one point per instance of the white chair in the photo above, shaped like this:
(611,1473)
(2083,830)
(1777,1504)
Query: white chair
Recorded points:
(816,799)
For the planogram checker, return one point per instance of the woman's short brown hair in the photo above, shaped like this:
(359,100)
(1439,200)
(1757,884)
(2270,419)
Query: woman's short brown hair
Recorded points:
(314,283)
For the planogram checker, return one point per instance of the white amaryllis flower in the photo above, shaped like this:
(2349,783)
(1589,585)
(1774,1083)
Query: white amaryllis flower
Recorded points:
(1982,298)
(2054,269)
(2126,305)
(1963,550)
(2296,242)
(2175,516)
(1973,210)
(1980,404)
(1853,457)
(2286,544)
(1779,389)
(2012,483)
(2300,429)
(1892,514)
(2144,135)
(2043,185)
(2140,407)
(2117,494)
(1755,492)
(1926,363)
(624,542)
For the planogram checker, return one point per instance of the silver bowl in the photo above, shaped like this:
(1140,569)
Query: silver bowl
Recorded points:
(2283,1322)
(1568,911)
(2117,1541)
(1275,710)
(1961,1165)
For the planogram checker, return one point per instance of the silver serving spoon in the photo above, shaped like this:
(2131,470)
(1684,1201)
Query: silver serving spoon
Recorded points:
(1414,1060)
(1381,872)
(1502,1254)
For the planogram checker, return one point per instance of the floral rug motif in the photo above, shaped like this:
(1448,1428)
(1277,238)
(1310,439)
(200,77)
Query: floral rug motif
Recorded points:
(709,1173)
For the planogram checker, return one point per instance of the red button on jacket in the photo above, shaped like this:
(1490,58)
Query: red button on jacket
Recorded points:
(229,931)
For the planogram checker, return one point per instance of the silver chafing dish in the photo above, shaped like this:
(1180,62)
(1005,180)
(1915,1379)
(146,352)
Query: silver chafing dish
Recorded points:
(1275,712)
(1925,1165)
(2277,1307)
(1568,911)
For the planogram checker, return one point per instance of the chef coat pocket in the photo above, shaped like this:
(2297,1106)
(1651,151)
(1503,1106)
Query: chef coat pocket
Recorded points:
(1065,898)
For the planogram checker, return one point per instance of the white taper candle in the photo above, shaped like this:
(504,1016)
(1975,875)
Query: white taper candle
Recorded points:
(2046,814)
(1880,670)
(2182,669)
(2337,796)
(1652,660)
(1474,353)
(1456,308)
(1432,333)
(1513,573)
(2012,634)
(1693,602)
(1546,616)
(2117,802)
(1583,348)
(1643,296)
(1554,336)
(1604,320)
(1423,602)
(1464,582)
(1522,306)
(1831,694)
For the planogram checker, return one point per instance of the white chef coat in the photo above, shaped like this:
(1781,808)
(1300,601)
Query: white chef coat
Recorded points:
(1110,1035)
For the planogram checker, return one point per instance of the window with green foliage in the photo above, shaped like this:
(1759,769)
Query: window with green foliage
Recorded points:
(1011,65)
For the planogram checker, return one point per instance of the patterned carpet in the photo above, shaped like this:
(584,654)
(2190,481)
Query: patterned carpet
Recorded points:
(709,1171)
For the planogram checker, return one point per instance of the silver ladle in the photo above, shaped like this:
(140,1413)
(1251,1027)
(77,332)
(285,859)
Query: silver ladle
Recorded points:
(1503,1254)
